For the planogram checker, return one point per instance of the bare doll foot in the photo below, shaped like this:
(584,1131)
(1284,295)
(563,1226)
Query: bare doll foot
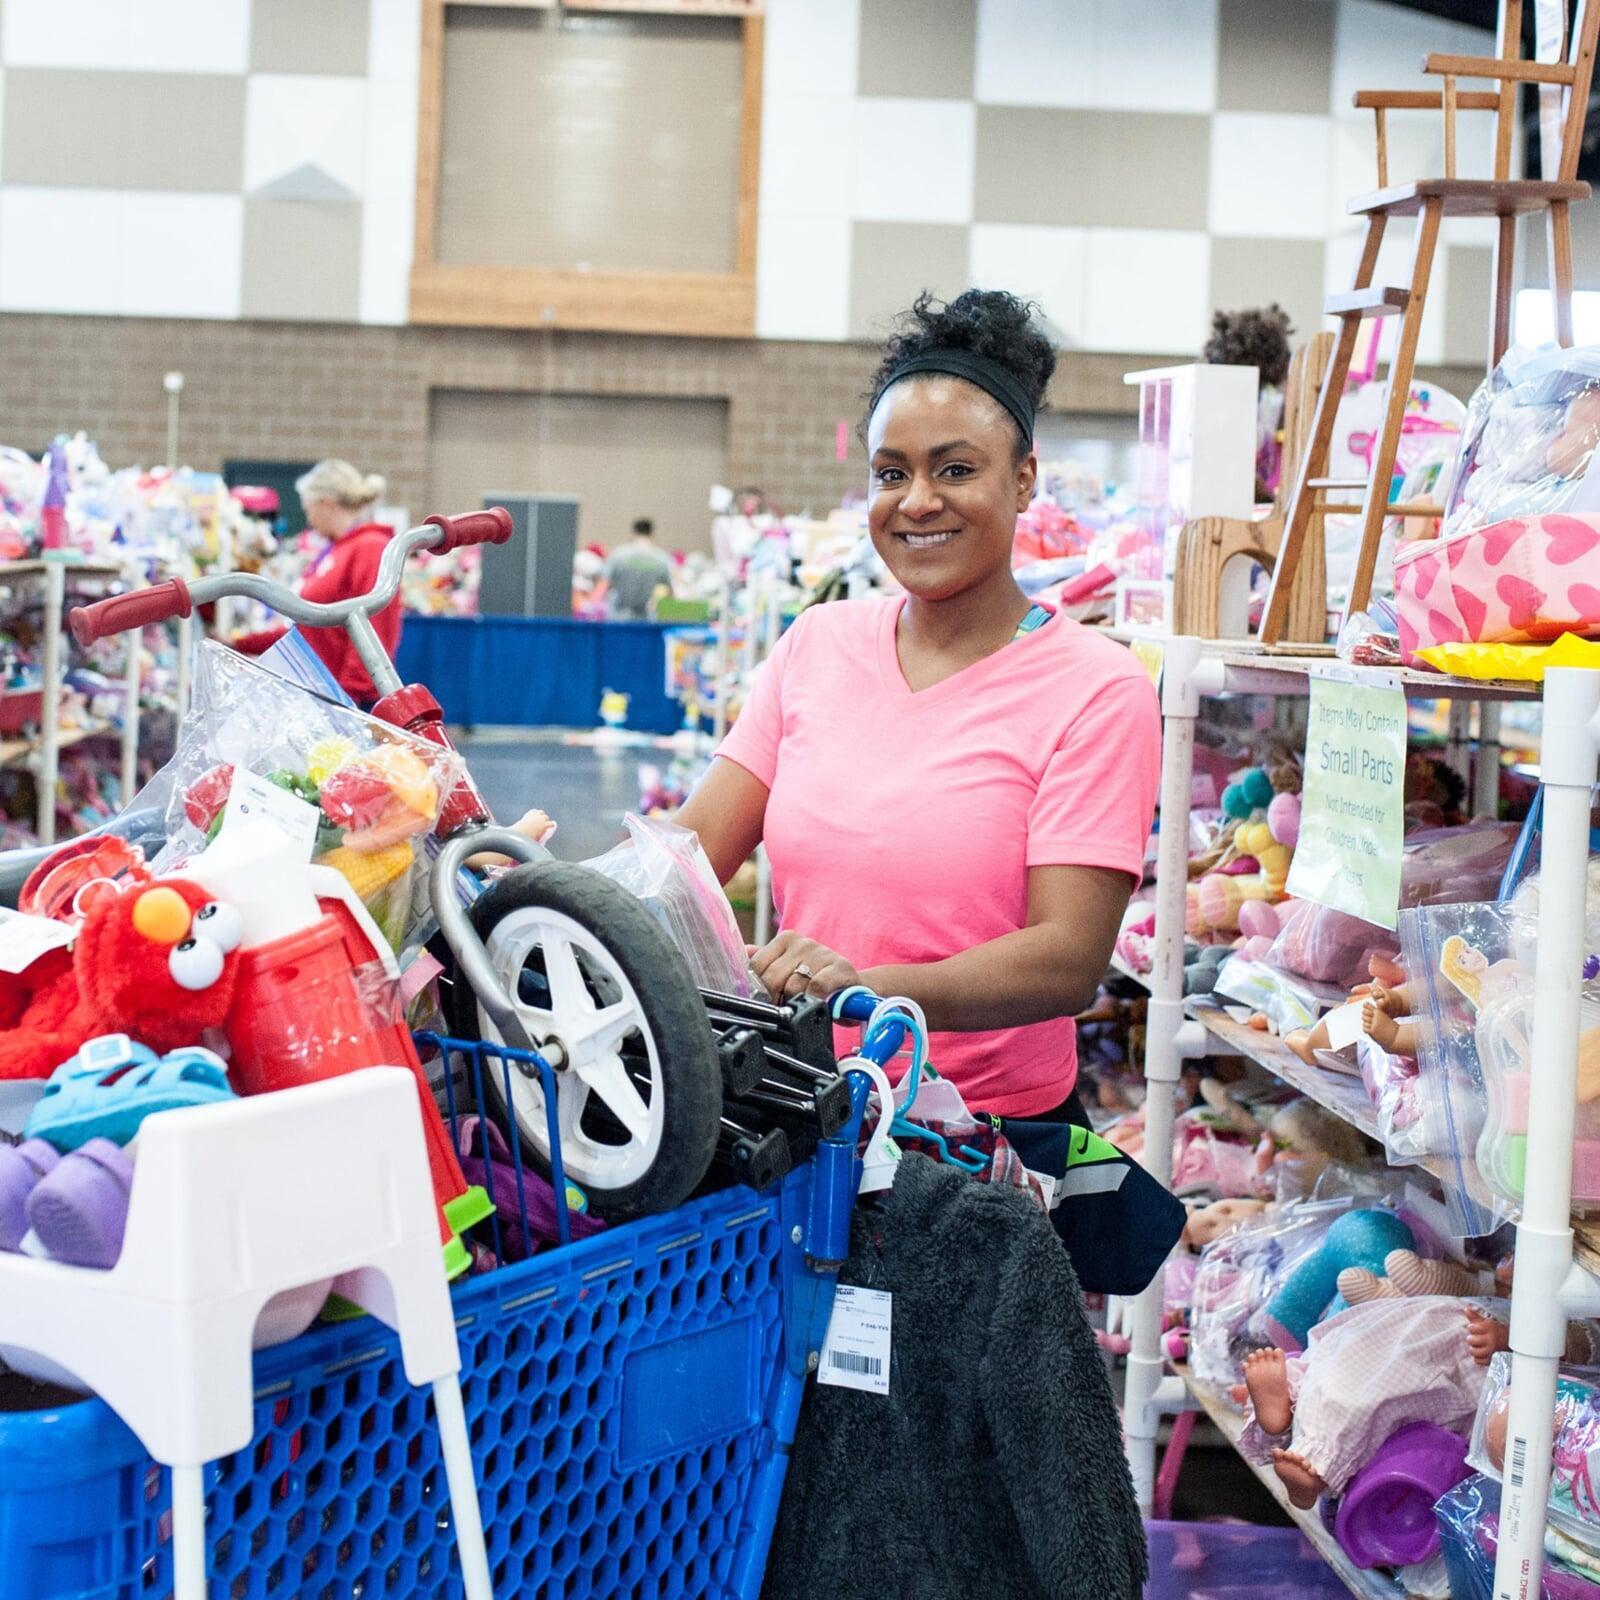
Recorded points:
(1379,1026)
(1301,1481)
(1267,1381)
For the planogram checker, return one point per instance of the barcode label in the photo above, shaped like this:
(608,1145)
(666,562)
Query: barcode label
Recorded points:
(855,1353)
(851,1361)
(1519,1462)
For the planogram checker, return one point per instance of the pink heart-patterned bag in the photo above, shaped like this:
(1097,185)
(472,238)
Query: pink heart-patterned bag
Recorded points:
(1524,580)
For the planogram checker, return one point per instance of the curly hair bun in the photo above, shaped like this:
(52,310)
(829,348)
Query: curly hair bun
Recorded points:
(988,322)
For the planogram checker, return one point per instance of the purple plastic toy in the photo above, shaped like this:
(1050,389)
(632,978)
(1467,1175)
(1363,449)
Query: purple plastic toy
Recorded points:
(76,1205)
(1385,1517)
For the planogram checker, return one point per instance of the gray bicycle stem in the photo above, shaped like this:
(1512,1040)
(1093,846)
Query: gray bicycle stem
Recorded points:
(355,617)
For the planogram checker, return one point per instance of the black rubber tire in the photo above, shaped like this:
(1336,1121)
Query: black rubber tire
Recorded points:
(691,1081)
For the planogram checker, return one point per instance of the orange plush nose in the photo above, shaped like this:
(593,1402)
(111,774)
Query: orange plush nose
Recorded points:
(161,916)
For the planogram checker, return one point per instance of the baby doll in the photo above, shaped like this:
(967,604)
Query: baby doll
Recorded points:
(1319,1417)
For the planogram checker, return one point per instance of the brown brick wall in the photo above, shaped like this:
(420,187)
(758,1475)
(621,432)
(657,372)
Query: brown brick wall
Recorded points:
(303,390)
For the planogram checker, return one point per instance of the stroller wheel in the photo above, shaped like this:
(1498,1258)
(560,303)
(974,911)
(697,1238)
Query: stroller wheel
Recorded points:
(638,1087)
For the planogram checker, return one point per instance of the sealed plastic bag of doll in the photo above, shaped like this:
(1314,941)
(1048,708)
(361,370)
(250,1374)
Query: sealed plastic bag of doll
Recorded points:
(362,795)
(1238,1276)
(1521,533)
(665,866)
(1469,1535)
(1437,865)
(1469,999)
(1574,1501)
(1529,440)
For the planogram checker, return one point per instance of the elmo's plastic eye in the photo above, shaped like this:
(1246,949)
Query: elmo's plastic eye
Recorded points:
(195,964)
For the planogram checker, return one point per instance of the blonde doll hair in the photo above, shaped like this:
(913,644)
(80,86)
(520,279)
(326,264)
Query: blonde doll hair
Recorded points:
(339,482)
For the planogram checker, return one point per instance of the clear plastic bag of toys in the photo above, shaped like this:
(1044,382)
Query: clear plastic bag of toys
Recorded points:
(1528,443)
(1574,1503)
(1469,1535)
(665,867)
(1238,1276)
(363,795)
(1437,864)
(1467,1005)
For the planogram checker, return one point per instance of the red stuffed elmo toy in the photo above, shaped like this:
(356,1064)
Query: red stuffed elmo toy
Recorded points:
(155,961)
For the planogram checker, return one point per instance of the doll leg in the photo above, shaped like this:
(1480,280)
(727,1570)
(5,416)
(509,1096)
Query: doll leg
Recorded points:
(1411,1274)
(1266,1381)
(1301,1481)
(1357,1286)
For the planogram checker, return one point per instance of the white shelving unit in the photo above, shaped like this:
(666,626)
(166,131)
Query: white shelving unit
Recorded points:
(43,752)
(1558,1260)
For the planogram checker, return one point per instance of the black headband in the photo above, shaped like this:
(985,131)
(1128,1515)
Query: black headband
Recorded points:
(989,376)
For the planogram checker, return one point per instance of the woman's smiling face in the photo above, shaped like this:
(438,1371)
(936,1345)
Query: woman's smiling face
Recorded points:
(946,485)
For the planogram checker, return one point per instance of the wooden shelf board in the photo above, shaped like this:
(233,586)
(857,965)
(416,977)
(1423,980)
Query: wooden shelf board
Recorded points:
(13,751)
(1366,1583)
(1345,1097)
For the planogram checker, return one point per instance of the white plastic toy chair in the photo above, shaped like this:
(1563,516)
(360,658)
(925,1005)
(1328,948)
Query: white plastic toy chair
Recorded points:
(232,1206)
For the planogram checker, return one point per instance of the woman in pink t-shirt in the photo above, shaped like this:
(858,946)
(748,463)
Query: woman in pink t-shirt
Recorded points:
(955,788)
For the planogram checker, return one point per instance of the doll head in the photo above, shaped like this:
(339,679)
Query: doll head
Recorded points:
(1212,1221)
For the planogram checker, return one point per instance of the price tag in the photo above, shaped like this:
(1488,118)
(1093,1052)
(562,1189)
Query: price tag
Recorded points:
(855,1354)
(24,939)
(1344,1025)
(1352,817)
(1150,654)
(256,799)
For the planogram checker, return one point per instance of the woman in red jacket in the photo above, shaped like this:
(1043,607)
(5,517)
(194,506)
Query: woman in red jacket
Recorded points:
(337,500)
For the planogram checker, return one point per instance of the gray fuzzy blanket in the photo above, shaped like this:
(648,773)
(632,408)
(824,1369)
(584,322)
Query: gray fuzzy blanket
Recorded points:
(994,1468)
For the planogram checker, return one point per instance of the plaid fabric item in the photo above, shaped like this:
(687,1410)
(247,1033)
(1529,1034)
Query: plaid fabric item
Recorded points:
(1003,1165)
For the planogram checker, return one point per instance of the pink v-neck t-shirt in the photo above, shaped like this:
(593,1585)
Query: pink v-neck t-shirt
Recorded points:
(901,826)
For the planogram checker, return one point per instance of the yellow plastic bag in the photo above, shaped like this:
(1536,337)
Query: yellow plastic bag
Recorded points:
(1522,662)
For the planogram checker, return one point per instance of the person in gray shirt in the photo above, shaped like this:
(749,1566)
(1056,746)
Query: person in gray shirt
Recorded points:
(633,574)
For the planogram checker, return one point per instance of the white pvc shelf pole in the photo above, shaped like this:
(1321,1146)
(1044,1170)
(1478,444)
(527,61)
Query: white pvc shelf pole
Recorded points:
(1180,704)
(1544,1234)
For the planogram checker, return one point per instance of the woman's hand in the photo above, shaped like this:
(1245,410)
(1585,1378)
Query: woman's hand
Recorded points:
(792,966)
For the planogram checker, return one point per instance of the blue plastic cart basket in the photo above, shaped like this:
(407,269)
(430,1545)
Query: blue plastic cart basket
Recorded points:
(630,1399)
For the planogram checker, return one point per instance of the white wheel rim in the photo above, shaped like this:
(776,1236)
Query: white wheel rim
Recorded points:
(590,1035)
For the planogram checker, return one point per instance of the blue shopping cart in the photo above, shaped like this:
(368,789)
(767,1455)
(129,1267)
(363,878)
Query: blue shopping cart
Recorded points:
(630,1400)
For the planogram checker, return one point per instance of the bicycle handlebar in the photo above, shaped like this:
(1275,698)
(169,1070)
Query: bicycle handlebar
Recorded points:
(473,527)
(124,612)
(176,598)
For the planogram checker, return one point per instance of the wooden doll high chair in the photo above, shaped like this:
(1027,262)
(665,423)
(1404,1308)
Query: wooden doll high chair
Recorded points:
(1430,201)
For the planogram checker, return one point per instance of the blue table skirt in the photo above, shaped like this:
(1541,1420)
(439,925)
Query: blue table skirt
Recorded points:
(539,672)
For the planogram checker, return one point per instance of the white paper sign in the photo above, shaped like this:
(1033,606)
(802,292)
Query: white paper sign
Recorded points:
(855,1354)
(24,939)
(256,799)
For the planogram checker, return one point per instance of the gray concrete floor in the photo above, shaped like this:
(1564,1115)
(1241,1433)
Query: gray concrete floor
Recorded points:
(586,790)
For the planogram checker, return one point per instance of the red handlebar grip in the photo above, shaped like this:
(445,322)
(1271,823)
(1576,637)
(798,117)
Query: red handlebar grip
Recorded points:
(123,612)
(473,527)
